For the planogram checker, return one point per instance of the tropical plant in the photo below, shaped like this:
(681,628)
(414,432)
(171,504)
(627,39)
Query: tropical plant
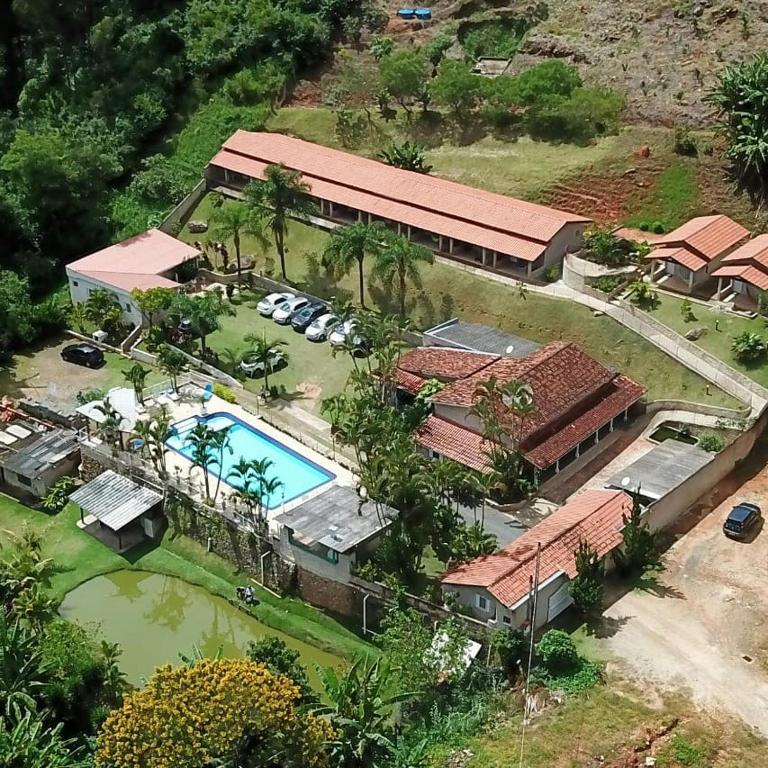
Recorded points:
(642,294)
(58,495)
(233,220)
(204,312)
(348,247)
(362,712)
(586,588)
(78,316)
(200,439)
(109,425)
(219,445)
(741,98)
(511,646)
(471,541)
(172,362)
(711,442)
(408,156)
(102,308)
(27,741)
(640,545)
(136,375)
(151,302)
(212,710)
(604,247)
(686,311)
(281,195)
(264,352)
(399,262)
(749,347)
(22,671)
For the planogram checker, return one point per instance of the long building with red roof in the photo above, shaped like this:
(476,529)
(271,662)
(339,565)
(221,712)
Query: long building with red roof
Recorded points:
(498,588)
(576,402)
(472,225)
(743,274)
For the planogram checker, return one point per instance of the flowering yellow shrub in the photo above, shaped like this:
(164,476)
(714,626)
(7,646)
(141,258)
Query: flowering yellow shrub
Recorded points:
(187,716)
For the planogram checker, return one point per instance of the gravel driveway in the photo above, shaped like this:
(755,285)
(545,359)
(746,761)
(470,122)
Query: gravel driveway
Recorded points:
(708,611)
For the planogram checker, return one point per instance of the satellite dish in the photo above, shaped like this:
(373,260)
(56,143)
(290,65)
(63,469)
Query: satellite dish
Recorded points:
(510,349)
(625,481)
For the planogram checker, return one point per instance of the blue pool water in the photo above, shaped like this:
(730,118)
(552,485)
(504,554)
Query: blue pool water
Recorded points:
(297,473)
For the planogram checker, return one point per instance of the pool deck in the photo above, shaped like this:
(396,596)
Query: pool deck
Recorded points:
(190,406)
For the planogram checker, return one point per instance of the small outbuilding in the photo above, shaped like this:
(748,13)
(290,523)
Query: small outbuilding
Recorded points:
(118,511)
(32,464)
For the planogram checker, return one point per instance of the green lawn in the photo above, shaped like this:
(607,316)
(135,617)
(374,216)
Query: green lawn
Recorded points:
(520,167)
(671,201)
(80,557)
(716,340)
(447,292)
(312,372)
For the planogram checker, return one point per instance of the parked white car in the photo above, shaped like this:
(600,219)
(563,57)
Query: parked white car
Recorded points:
(271,302)
(338,337)
(319,329)
(286,310)
(254,366)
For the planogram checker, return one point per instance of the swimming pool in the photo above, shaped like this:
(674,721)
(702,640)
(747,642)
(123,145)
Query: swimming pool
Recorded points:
(297,473)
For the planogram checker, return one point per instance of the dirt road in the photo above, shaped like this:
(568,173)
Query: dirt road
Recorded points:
(708,610)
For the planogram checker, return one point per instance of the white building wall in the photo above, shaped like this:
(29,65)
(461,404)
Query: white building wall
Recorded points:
(80,288)
(568,240)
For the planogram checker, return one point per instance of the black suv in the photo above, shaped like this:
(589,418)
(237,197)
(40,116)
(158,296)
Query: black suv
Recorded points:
(83,354)
(304,317)
(741,520)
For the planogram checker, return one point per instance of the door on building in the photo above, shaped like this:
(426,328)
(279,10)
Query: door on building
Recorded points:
(558,602)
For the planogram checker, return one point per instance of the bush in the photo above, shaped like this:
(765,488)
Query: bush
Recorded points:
(658,228)
(552,274)
(494,38)
(225,393)
(584,675)
(607,283)
(748,347)
(711,443)
(557,652)
(685,142)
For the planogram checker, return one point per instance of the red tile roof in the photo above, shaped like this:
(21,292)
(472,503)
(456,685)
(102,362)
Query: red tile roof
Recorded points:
(137,262)
(573,396)
(444,363)
(408,381)
(749,262)
(485,219)
(593,516)
(709,236)
(683,256)
(455,442)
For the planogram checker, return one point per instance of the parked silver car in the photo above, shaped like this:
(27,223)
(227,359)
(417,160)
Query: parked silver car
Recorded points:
(287,309)
(272,301)
(253,366)
(321,327)
(338,337)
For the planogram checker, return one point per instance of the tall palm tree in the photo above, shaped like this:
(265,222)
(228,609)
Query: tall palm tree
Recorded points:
(264,352)
(201,442)
(517,396)
(172,362)
(274,200)
(243,476)
(220,444)
(110,425)
(136,375)
(348,247)
(400,260)
(233,220)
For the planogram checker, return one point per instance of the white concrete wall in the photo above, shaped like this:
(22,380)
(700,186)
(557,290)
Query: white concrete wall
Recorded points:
(315,563)
(569,239)
(459,415)
(80,288)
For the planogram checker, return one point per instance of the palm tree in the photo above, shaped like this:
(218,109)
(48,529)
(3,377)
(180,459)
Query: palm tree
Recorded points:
(264,351)
(274,200)
(172,362)
(219,444)
(517,396)
(349,245)
(400,260)
(233,220)
(136,375)
(110,425)
(243,476)
(201,439)
(78,316)
(22,670)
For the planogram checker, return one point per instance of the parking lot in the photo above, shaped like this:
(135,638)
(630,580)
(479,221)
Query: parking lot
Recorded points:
(41,374)
(702,624)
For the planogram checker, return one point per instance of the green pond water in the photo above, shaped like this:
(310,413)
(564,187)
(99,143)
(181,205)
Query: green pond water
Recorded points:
(155,617)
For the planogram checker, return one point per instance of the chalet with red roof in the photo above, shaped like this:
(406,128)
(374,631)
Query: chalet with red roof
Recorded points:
(686,258)
(463,223)
(498,588)
(577,401)
(149,260)
(743,276)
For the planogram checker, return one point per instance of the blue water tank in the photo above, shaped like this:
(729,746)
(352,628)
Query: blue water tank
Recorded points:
(423,14)
(406,13)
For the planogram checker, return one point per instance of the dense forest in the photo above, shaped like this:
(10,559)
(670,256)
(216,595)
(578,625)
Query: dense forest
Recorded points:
(97,97)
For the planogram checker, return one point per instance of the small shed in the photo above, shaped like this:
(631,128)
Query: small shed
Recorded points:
(329,532)
(118,511)
(33,463)
(490,66)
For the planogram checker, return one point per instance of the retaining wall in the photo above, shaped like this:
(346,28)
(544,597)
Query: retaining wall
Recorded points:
(176,218)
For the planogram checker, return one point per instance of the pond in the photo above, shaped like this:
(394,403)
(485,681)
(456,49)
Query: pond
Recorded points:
(155,617)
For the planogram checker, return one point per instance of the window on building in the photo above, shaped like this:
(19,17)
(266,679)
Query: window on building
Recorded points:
(127,307)
(506,619)
(481,602)
(24,480)
(75,283)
